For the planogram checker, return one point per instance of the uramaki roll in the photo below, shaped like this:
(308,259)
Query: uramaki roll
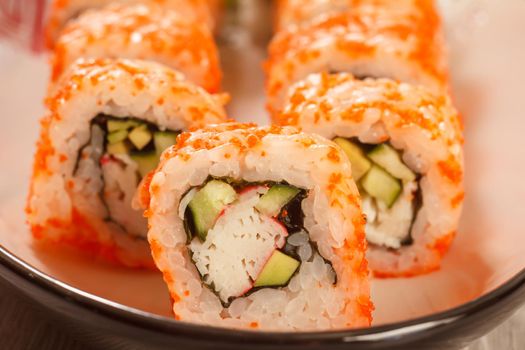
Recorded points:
(405,146)
(141,31)
(107,123)
(380,39)
(259,228)
(61,11)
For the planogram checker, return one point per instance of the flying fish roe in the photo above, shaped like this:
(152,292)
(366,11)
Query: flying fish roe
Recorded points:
(45,149)
(252,140)
(139,83)
(451,169)
(333,155)
(457,200)
(442,244)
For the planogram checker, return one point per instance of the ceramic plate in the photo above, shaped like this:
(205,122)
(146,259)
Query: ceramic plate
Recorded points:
(484,267)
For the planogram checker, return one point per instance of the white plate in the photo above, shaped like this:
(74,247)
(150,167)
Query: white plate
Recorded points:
(487,57)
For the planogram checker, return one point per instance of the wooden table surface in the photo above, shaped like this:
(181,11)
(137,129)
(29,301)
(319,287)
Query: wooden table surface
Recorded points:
(24,326)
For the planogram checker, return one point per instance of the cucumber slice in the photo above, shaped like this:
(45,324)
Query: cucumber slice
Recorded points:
(117,136)
(140,136)
(381,185)
(208,203)
(389,159)
(278,270)
(117,148)
(116,125)
(164,139)
(277,197)
(146,162)
(358,159)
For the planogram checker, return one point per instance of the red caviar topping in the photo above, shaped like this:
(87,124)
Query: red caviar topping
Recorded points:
(457,200)
(139,83)
(143,190)
(333,155)
(451,169)
(44,148)
(442,244)
(252,140)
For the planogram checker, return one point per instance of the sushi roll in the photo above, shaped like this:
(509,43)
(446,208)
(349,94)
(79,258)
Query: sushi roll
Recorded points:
(61,11)
(259,228)
(400,40)
(405,147)
(107,122)
(145,32)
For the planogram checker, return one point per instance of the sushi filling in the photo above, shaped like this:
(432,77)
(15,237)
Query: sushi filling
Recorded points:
(125,150)
(245,237)
(389,190)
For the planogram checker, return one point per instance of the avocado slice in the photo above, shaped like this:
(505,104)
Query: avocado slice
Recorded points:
(163,140)
(277,197)
(389,159)
(140,136)
(208,203)
(360,163)
(381,185)
(117,148)
(146,162)
(278,270)
(116,125)
(117,136)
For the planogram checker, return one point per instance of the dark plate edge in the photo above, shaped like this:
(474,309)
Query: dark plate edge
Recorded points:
(512,291)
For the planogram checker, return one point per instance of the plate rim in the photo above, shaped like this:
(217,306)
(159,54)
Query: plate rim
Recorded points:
(513,288)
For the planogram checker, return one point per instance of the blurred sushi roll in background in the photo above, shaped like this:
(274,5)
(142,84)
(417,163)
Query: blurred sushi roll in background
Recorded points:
(261,228)
(62,11)
(143,31)
(400,40)
(405,147)
(107,123)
